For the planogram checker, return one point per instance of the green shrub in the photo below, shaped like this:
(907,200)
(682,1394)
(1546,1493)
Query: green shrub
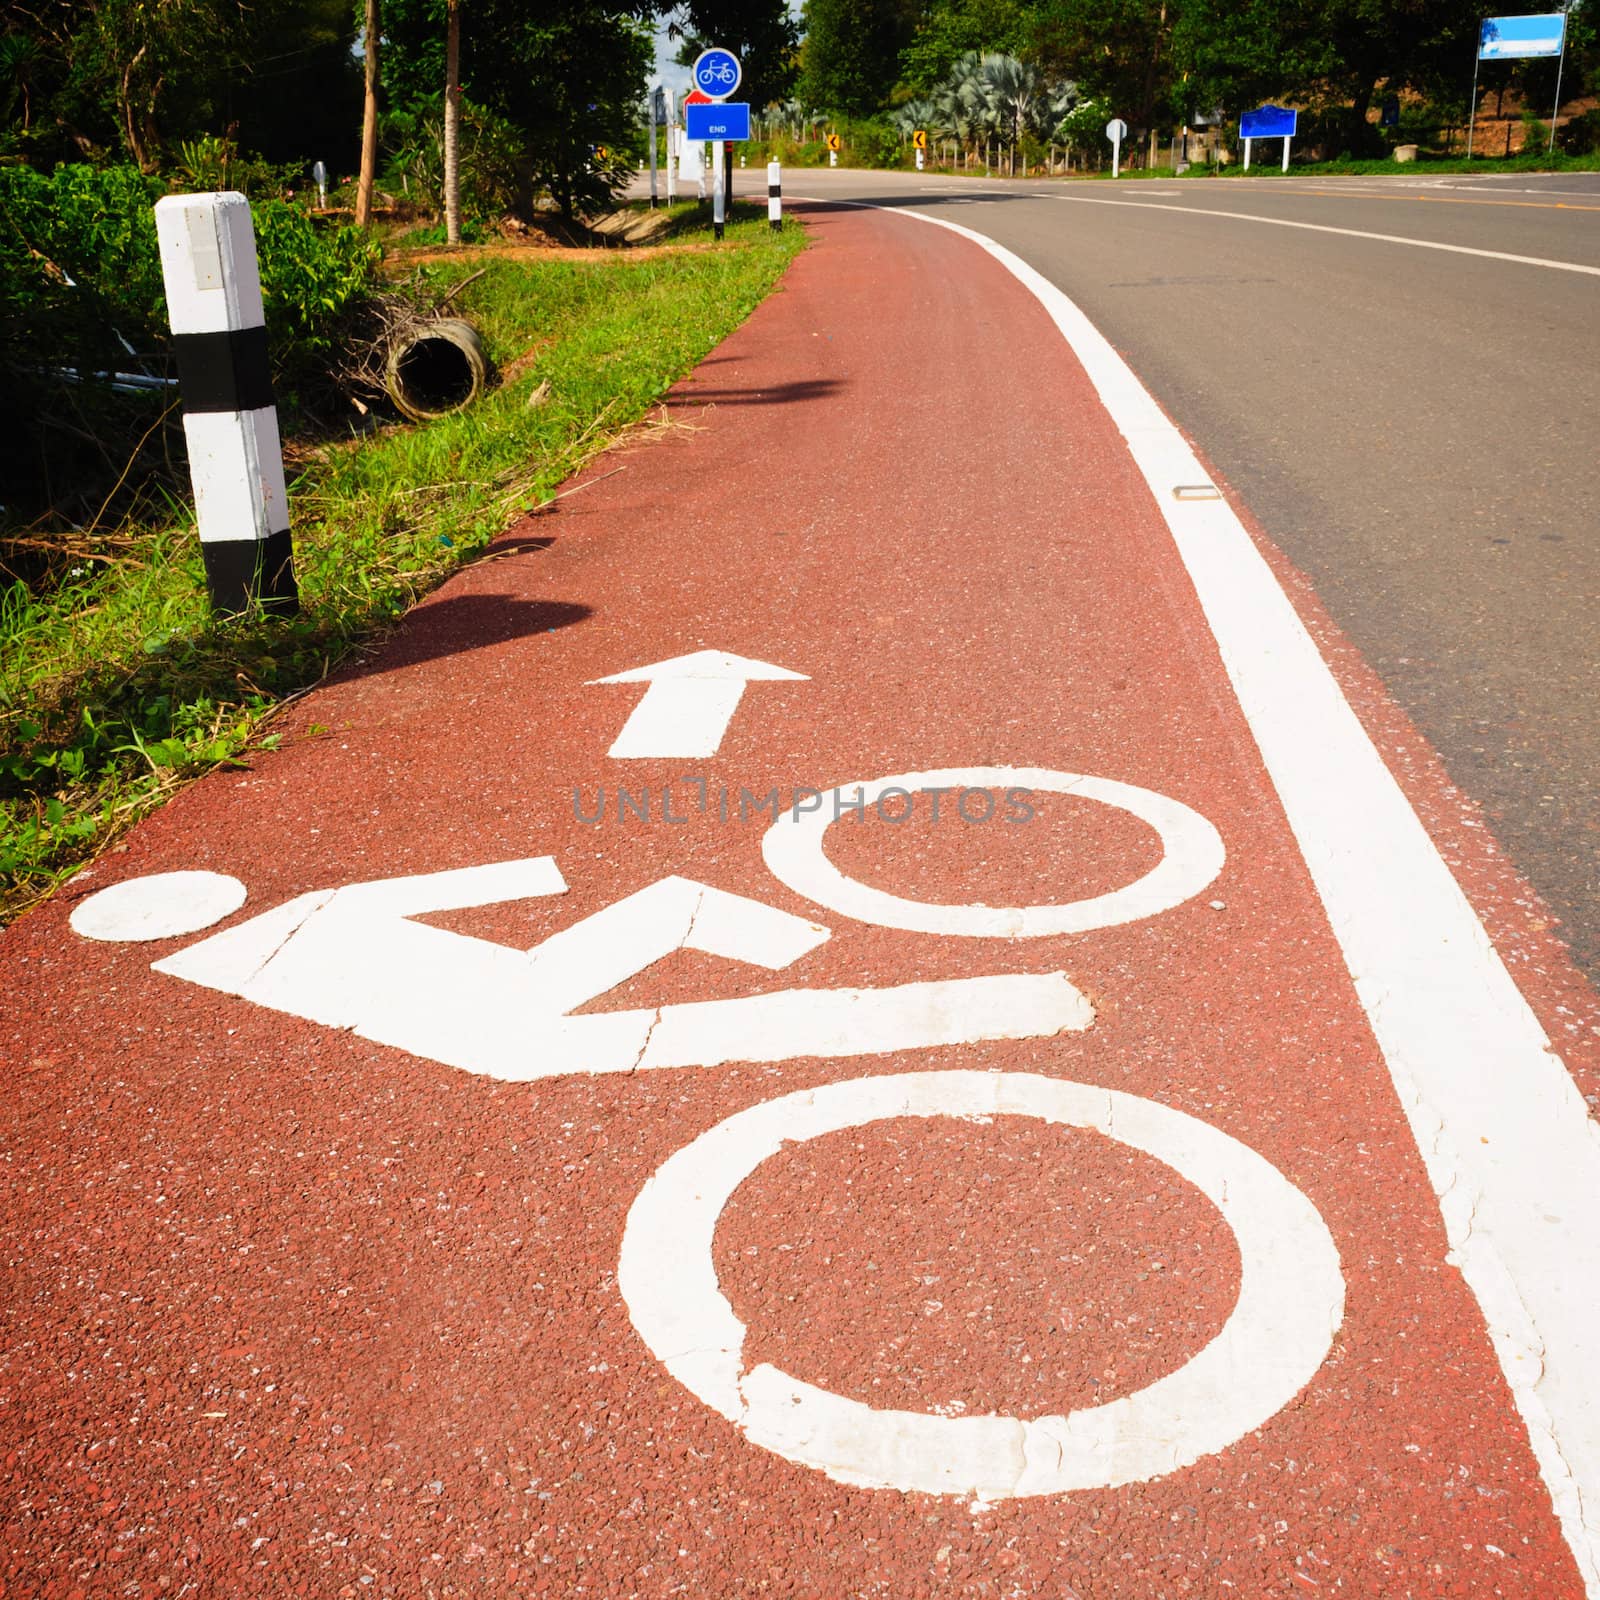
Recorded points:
(876,144)
(496,176)
(80,289)
(313,279)
(78,264)
(1580,136)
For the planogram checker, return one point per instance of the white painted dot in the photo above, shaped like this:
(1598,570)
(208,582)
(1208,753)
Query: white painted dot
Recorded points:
(1290,1304)
(1192,855)
(160,906)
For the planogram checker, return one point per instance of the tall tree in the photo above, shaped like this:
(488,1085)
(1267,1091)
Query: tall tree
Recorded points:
(452,122)
(762,33)
(369,115)
(95,76)
(1331,54)
(852,50)
(945,30)
(1118,51)
(566,74)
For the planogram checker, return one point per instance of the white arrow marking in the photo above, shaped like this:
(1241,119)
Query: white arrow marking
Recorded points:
(353,958)
(689,704)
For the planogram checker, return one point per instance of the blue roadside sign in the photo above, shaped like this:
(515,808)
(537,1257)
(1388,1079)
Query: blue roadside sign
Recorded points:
(1269,122)
(1516,38)
(719,122)
(717,72)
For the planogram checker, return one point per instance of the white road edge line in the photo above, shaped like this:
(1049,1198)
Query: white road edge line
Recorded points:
(1323,227)
(1508,1143)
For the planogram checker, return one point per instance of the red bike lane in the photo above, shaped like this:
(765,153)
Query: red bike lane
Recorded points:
(1008,1200)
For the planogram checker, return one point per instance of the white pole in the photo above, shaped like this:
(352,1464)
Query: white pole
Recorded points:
(1116,158)
(1560,68)
(672,151)
(651,97)
(1472,116)
(919,159)
(672,148)
(833,158)
(1286,152)
(775,195)
(219,335)
(1247,155)
(719,200)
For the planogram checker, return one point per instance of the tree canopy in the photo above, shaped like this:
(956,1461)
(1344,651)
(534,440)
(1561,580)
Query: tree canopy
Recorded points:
(851,57)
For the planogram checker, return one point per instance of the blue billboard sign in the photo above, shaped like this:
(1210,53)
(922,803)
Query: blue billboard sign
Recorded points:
(1516,38)
(730,120)
(1268,122)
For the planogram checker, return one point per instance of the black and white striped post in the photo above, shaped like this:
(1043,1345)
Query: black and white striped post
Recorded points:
(774,195)
(219,334)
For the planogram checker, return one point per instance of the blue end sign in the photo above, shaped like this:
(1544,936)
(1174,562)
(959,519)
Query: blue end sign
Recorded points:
(1268,122)
(728,121)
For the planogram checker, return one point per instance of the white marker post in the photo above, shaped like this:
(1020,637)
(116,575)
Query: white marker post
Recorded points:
(1286,152)
(672,151)
(219,335)
(1116,132)
(1247,155)
(774,196)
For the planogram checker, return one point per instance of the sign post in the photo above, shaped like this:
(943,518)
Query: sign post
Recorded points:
(1116,132)
(833,149)
(919,141)
(717,73)
(1269,122)
(655,111)
(721,122)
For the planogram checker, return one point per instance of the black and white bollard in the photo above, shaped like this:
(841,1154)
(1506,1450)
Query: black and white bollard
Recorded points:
(774,195)
(208,263)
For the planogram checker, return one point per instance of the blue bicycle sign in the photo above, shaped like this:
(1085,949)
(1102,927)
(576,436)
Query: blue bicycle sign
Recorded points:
(717,72)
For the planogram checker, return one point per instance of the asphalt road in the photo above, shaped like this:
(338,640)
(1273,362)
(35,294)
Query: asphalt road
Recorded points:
(1413,426)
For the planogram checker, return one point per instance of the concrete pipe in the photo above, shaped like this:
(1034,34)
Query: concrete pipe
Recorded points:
(435,368)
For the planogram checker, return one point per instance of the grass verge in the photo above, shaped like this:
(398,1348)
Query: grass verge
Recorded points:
(118,685)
